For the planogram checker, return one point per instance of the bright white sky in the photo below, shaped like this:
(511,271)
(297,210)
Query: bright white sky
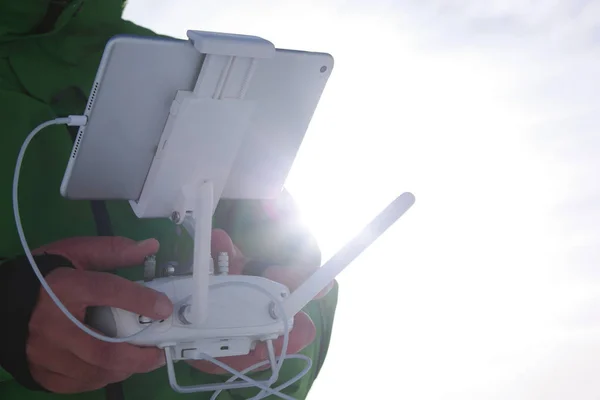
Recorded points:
(489,288)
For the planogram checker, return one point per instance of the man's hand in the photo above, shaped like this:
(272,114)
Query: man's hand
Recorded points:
(64,359)
(304,330)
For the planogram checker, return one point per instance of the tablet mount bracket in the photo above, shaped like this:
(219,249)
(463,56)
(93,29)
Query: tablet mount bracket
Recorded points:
(203,133)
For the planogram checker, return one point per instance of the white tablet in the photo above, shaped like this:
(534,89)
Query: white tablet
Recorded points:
(128,107)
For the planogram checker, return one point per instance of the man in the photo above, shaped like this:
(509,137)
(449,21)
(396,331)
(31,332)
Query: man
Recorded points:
(49,53)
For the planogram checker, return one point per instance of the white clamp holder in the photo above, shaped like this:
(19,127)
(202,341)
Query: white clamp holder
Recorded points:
(199,144)
(205,126)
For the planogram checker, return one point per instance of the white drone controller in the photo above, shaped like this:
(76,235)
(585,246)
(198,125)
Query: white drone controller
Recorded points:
(244,310)
(240,312)
(218,315)
(240,316)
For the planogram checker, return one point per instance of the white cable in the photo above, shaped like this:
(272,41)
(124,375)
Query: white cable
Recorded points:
(286,339)
(265,391)
(73,120)
(290,382)
(229,385)
(202,356)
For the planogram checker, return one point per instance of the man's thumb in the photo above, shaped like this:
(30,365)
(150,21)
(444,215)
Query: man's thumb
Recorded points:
(220,242)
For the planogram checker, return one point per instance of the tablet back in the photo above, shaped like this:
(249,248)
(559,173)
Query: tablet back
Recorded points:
(136,83)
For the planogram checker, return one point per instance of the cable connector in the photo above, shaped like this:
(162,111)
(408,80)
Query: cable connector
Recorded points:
(76,120)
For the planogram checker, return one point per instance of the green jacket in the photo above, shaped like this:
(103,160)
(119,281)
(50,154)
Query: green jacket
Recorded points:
(48,59)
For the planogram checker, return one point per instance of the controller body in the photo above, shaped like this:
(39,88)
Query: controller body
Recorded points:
(239,316)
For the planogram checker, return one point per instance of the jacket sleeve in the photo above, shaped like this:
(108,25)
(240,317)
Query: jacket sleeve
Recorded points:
(4,375)
(273,231)
(19,292)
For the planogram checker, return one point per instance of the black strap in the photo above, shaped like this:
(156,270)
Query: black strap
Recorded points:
(19,293)
(101,218)
(55,8)
(114,391)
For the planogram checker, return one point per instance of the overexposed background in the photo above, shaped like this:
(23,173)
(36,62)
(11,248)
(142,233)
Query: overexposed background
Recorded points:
(487,110)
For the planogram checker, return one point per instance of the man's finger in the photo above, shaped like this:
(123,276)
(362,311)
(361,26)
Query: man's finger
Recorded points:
(102,253)
(103,289)
(66,363)
(58,383)
(122,358)
(221,242)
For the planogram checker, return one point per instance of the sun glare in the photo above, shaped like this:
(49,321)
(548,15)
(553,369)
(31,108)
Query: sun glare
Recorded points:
(467,295)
